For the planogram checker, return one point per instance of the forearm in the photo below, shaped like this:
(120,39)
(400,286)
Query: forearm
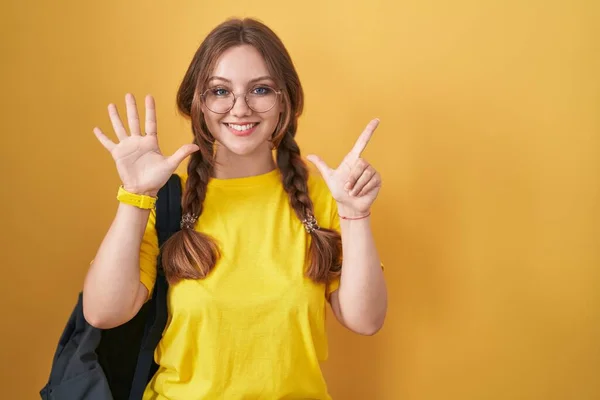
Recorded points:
(362,293)
(112,283)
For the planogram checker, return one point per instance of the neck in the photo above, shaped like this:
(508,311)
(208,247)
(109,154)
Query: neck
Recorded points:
(230,166)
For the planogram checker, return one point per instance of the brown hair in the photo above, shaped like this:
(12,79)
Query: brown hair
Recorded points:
(189,254)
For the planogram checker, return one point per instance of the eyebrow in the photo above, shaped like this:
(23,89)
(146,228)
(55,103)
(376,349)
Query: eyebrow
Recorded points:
(260,78)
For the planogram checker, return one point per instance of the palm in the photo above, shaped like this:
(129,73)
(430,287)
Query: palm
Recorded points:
(140,164)
(352,168)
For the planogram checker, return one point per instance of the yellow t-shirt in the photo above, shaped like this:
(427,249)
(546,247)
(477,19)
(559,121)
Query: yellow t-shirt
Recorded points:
(255,327)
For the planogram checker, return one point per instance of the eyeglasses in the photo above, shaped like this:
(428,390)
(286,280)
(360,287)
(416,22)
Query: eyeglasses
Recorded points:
(259,99)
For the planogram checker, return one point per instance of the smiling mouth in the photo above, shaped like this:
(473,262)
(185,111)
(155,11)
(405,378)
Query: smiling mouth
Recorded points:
(242,129)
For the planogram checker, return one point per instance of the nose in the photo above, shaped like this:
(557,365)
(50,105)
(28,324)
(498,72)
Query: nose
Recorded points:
(240,107)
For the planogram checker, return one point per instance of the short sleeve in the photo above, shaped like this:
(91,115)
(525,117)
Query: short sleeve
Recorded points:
(148,254)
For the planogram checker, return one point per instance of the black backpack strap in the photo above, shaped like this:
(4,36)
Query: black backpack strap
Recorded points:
(168,217)
(168,209)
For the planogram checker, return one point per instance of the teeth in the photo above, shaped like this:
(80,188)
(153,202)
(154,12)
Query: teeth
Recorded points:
(241,127)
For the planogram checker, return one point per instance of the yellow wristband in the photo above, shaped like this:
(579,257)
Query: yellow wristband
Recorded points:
(137,200)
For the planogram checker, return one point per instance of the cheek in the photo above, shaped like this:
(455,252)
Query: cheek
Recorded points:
(273,116)
(270,123)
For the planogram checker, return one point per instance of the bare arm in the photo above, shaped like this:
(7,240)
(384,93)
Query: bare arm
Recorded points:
(360,303)
(112,292)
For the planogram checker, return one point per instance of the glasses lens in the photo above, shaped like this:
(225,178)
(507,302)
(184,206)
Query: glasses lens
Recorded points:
(218,100)
(261,98)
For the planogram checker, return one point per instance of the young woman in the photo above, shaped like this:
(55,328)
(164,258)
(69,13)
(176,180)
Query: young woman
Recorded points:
(260,250)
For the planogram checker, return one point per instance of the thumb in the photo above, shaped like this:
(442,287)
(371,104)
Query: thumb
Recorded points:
(320,164)
(181,154)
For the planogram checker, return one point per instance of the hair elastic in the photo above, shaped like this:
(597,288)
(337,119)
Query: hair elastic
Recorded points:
(188,221)
(310,224)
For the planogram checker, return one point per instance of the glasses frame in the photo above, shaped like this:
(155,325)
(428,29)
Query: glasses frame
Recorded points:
(235,98)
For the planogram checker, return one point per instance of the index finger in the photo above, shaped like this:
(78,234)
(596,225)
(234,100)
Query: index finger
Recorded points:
(364,138)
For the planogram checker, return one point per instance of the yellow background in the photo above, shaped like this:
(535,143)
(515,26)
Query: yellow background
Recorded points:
(488,221)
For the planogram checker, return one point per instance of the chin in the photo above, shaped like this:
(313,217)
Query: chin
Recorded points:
(240,149)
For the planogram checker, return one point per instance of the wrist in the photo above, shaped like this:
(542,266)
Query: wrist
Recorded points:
(135,199)
(352,214)
(140,192)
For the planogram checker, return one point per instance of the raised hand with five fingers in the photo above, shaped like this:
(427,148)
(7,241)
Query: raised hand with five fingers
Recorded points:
(354,184)
(141,165)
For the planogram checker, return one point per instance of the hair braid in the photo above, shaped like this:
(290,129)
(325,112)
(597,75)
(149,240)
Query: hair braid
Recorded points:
(190,254)
(326,246)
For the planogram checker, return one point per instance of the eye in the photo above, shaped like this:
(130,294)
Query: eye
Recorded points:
(261,90)
(219,92)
